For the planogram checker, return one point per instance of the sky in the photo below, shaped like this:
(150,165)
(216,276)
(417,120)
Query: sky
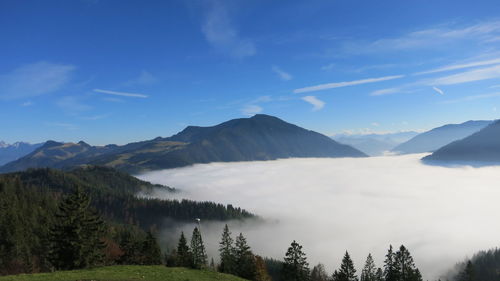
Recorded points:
(109,71)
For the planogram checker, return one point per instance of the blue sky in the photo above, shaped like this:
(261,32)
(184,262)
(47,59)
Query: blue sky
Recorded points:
(107,71)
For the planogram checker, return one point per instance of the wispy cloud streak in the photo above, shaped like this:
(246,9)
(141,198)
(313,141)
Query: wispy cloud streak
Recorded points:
(122,94)
(315,102)
(345,84)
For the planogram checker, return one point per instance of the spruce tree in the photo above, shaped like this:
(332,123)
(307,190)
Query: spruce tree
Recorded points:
(347,272)
(261,273)
(318,273)
(184,255)
(379,276)
(198,250)
(406,266)
(245,262)
(295,267)
(369,272)
(467,274)
(151,250)
(391,271)
(226,251)
(76,236)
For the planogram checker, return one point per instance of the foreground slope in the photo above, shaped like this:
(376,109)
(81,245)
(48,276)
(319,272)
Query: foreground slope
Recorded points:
(261,137)
(128,273)
(483,146)
(432,140)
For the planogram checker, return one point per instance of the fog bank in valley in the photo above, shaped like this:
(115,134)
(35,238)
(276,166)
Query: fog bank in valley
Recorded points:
(357,204)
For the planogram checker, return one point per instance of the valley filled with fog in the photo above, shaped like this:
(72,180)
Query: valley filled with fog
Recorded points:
(362,205)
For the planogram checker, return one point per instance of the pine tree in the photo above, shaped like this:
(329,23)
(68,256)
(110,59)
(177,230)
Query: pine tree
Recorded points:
(184,255)
(467,274)
(295,267)
(379,276)
(369,272)
(318,273)
(151,250)
(391,272)
(347,272)
(198,250)
(245,262)
(226,251)
(406,266)
(76,236)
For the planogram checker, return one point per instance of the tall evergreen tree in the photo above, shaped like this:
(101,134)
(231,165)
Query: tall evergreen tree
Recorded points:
(369,272)
(151,250)
(184,255)
(318,273)
(226,251)
(261,273)
(198,250)
(379,276)
(406,266)
(467,274)
(76,236)
(295,267)
(245,261)
(391,271)
(347,272)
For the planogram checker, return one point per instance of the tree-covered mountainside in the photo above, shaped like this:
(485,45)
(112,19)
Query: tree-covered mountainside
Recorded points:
(11,152)
(434,139)
(483,146)
(483,266)
(260,137)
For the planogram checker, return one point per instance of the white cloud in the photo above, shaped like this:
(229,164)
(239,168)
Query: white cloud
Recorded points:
(282,74)
(329,206)
(72,104)
(495,86)
(34,80)
(27,103)
(222,35)
(345,84)
(316,103)
(439,91)
(472,98)
(469,76)
(328,67)
(388,91)
(251,109)
(145,78)
(66,126)
(122,94)
(375,124)
(461,66)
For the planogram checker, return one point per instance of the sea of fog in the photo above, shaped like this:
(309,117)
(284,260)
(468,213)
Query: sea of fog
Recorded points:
(362,205)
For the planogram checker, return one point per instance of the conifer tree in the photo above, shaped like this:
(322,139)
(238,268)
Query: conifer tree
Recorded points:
(406,266)
(379,275)
(198,250)
(347,272)
(184,255)
(369,272)
(76,236)
(295,267)
(467,274)
(391,271)
(318,273)
(151,250)
(226,251)
(245,262)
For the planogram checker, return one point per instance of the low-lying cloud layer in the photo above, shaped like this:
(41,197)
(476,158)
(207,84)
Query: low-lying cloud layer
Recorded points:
(361,205)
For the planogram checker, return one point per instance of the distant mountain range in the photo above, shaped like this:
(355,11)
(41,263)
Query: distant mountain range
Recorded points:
(375,144)
(11,152)
(482,146)
(434,139)
(261,137)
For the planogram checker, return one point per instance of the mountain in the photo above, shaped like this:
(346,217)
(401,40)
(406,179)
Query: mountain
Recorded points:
(374,144)
(432,140)
(11,152)
(482,146)
(261,137)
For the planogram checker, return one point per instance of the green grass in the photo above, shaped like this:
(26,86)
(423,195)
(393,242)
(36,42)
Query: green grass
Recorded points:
(126,273)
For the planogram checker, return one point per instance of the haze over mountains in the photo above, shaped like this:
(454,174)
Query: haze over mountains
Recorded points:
(375,144)
(261,137)
(482,146)
(434,139)
(11,152)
